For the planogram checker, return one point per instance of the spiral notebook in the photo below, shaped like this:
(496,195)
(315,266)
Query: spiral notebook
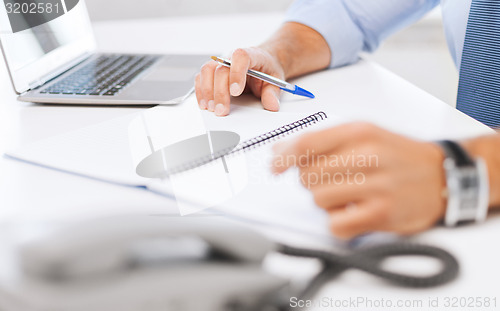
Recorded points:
(102,152)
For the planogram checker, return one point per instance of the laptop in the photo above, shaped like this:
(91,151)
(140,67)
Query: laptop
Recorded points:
(56,62)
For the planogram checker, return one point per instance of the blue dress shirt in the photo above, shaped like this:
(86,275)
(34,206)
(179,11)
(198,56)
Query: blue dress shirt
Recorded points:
(352,26)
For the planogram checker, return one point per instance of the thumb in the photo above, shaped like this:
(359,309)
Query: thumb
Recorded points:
(270,97)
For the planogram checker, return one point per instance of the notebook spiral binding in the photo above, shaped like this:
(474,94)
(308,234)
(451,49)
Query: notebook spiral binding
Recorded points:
(280,132)
(254,142)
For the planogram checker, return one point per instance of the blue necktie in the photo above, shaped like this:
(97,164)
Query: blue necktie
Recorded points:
(479,87)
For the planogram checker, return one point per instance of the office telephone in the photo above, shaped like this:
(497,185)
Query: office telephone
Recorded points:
(150,263)
(142,263)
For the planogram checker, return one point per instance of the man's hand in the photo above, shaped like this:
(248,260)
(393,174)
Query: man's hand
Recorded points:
(215,84)
(293,50)
(369,179)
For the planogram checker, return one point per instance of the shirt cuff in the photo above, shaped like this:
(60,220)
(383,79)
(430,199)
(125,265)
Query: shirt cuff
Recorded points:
(332,20)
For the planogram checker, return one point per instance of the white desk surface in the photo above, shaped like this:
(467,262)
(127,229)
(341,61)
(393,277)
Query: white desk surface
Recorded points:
(363,92)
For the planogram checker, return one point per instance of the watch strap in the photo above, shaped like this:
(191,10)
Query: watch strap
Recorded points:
(456,152)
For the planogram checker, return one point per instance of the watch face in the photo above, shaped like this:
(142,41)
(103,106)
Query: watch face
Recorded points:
(465,191)
(467,185)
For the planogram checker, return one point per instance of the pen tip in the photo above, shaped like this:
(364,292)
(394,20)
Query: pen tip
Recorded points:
(214,58)
(302,92)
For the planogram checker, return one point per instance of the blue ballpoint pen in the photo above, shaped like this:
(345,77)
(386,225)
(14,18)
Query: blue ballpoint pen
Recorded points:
(285,86)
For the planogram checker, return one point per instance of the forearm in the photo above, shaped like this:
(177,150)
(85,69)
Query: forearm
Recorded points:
(299,49)
(487,148)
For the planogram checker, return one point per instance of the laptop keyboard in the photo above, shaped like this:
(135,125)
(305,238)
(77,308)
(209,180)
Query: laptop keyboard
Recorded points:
(106,75)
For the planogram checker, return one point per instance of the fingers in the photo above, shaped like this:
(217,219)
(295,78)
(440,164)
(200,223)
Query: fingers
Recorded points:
(238,73)
(242,61)
(357,219)
(270,97)
(197,88)
(330,141)
(221,91)
(335,138)
(331,197)
(205,88)
(215,85)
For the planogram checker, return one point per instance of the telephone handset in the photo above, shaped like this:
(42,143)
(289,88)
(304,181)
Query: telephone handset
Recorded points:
(146,263)
(120,243)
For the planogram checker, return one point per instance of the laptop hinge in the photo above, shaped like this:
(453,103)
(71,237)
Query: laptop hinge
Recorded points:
(34,85)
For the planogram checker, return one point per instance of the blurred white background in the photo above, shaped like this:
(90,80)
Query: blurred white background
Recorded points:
(106,9)
(418,54)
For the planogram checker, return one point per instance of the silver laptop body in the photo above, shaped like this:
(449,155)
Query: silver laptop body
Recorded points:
(56,62)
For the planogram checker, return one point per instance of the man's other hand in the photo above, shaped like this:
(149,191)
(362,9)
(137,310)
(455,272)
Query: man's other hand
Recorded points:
(369,179)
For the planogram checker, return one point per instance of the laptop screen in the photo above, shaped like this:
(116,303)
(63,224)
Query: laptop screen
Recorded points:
(37,47)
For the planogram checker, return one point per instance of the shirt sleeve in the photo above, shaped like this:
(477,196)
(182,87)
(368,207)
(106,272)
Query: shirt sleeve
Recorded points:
(352,26)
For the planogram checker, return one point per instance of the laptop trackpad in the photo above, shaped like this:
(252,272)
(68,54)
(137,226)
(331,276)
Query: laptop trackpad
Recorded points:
(171,74)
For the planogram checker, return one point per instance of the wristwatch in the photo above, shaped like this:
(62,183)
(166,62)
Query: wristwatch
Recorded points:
(467,185)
